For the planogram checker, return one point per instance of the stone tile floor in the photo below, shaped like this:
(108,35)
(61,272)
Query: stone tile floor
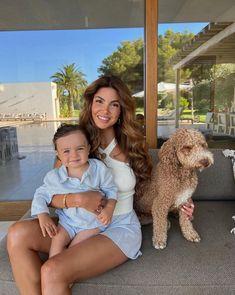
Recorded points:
(20,178)
(4,225)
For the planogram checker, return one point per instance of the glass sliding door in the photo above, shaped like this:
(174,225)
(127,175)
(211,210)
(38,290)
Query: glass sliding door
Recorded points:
(41,47)
(196,54)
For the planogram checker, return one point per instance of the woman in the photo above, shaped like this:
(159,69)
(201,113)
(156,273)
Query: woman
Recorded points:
(109,117)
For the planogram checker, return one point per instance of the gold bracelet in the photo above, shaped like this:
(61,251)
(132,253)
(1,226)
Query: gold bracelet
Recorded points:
(65,201)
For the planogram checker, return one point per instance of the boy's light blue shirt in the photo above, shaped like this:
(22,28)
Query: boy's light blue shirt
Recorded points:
(96,178)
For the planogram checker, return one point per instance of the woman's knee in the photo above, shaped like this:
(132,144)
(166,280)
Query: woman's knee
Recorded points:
(16,236)
(52,272)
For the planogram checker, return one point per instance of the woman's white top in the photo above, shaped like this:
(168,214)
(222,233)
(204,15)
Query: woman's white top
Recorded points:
(124,178)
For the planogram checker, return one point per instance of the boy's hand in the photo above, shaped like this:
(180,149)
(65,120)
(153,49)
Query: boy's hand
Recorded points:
(105,216)
(47,225)
(106,213)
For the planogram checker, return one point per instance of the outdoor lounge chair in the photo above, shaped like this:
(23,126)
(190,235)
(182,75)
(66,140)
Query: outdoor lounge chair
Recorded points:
(171,115)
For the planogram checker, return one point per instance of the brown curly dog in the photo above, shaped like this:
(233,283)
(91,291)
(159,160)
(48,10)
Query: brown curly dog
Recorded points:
(174,180)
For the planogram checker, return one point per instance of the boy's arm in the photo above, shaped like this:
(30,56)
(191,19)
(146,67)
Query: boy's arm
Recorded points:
(40,201)
(43,194)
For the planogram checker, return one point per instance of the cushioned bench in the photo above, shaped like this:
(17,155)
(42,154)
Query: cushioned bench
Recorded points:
(182,268)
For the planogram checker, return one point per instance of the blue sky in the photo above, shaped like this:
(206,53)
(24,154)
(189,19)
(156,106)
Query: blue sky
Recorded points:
(33,56)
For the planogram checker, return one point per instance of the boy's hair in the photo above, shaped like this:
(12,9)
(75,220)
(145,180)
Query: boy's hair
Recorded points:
(66,129)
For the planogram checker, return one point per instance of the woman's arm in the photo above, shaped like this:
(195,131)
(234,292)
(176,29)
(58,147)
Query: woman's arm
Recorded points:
(90,201)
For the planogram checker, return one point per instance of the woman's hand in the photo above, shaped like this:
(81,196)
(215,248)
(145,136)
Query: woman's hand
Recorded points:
(188,209)
(91,201)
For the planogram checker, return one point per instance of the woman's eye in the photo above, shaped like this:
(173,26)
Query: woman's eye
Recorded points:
(67,151)
(116,105)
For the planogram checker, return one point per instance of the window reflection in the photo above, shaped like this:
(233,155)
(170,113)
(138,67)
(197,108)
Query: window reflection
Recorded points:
(35,96)
(202,62)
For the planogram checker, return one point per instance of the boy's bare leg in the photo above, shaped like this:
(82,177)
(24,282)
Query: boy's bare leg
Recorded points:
(59,241)
(83,235)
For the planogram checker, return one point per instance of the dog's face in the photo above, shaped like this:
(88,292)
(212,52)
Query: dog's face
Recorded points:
(190,149)
(193,152)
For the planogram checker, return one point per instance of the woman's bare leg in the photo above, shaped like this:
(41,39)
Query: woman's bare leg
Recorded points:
(23,241)
(84,260)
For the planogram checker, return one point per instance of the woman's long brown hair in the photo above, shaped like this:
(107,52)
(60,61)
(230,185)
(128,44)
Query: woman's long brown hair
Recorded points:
(127,130)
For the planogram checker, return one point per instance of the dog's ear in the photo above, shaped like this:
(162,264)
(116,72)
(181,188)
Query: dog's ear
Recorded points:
(167,153)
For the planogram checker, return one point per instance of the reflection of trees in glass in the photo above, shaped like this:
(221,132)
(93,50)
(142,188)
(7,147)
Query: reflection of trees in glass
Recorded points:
(70,85)
(127,63)
(224,90)
(168,45)
(213,86)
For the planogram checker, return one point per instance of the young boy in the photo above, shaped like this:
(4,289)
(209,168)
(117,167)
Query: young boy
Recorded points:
(77,174)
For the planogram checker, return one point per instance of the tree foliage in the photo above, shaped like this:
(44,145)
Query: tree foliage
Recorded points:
(184,102)
(70,85)
(127,63)
(168,45)
(213,85)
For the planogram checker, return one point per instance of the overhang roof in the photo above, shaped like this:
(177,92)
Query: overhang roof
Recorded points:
(214,44)
(88,14)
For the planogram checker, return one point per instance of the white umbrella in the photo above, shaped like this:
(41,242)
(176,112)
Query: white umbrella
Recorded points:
(164,87)
(139,94)
(168,87)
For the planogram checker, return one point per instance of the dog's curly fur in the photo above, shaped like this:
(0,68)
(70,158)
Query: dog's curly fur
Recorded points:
(174,181)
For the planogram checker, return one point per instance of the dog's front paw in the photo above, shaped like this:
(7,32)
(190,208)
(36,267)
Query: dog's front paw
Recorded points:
(159,245)
(232,231)
(192,236)
(233,217)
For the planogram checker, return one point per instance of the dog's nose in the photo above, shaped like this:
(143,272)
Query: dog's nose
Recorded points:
(204,162)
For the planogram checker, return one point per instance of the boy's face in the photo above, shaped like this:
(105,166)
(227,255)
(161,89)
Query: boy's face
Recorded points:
(73,150)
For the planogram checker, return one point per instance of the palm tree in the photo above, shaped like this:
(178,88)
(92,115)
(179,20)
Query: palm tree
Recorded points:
(70,83)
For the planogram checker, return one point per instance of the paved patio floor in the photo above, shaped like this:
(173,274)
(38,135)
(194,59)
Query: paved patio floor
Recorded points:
(20,178)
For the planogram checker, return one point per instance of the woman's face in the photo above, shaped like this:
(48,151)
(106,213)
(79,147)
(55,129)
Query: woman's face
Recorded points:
(105,107)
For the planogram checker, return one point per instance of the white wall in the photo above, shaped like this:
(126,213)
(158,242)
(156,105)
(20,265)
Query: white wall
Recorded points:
(31,98)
